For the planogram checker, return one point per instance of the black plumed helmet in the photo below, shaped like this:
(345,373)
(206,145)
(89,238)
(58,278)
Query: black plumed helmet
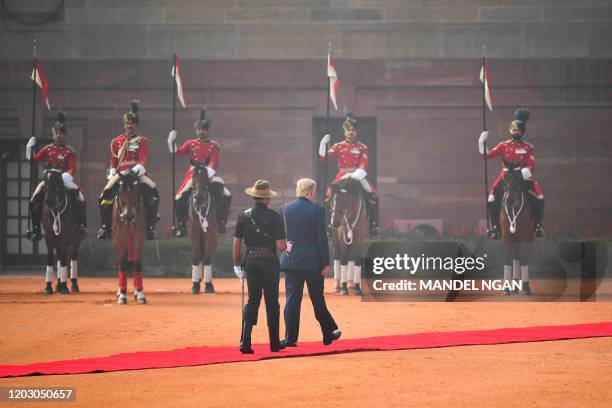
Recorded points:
(522,116)
(202,122)
(60,125)
(132,115)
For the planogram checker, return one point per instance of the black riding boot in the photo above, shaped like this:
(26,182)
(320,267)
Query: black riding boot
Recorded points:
(181,207)
(494,231)
(224,209)
(151,202)
(36,214)
(372,210)
(538,217)
(106,216)
(81,214)
(275,343)
(245,338)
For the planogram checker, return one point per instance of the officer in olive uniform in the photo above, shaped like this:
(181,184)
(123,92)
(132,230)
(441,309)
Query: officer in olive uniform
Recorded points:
(263,233)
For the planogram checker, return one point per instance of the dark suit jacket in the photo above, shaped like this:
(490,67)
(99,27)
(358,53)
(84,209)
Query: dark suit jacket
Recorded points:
(305,222)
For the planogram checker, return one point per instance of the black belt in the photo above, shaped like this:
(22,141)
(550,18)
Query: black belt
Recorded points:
(261,252)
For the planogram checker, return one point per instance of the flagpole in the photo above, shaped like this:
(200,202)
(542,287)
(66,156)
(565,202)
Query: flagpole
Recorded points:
(484,128)
(33,128)
(326,125)
(174,144)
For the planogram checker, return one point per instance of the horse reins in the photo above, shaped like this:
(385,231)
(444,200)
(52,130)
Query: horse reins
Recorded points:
(348,235)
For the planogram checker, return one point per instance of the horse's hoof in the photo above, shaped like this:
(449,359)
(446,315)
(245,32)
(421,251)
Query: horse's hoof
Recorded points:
(344,290)
(75,286)
(48,290)
(357,290)
(141,299)
(506,292)
(122,299)
(209,289)
(195,288)
(62,288)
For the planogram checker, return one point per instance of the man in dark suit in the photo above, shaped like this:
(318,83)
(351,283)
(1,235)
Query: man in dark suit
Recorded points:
(306,260)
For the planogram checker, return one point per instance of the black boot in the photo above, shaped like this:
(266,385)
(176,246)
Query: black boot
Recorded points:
(36,212)
(106,216)
(494,231)
(372,210)
(538,217)
(275,343)
(181,207)
(81,212)
(151,206)
(245,338)
(225,203)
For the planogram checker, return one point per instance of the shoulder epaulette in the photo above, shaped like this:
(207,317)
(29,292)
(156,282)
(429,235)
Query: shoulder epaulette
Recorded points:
(363,144)
(72,149)
(214,142)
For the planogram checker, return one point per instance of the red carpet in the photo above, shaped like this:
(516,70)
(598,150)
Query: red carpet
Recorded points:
(193,356)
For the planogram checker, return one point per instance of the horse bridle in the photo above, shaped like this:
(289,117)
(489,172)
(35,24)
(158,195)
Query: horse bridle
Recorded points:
(515,214)
(348,235)
(120,205)
(53,211)
(197,206)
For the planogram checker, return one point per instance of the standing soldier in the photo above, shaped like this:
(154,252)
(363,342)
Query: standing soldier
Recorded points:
(518,151)
(129,153)
(263,233)
(353,162)
(64,158)
(204,150)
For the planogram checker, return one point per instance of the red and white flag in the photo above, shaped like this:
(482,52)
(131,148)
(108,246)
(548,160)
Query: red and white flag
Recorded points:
(485,79)
(179,79)
(334,82)
(38,76)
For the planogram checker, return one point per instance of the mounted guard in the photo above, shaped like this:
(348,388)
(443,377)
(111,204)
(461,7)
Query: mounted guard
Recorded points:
(64,158)
(201,149)
(520,152)
(129,152)
(352,158)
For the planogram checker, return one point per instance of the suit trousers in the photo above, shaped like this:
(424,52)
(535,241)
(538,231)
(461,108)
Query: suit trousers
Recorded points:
(262,275)
(294,287)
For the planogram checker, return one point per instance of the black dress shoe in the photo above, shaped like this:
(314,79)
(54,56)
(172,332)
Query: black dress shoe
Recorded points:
(286,343)
(329,338)
(246,349)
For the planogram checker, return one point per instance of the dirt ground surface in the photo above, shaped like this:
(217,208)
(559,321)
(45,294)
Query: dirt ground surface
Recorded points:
(38,328)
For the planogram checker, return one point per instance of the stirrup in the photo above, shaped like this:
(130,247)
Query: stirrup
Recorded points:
(179,231)
(222,228)
(103,233)
(374,232)
(34,235)
(539,231)
(493,233)
(82,232)
(151,233)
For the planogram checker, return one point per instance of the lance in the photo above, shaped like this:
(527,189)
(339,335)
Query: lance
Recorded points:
(33,129)
(174,144)
(326,128)
(484,128)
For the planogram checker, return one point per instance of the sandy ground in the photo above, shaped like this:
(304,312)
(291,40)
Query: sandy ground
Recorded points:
(42,328)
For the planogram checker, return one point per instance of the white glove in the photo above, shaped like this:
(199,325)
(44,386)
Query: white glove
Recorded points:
(289,247)
(323,145)
(30,146)
(67,177)
(526,173)
(139,169)
(359,174)
(481,141)
(171,139)
(239,272)
(111,173)
(210,171)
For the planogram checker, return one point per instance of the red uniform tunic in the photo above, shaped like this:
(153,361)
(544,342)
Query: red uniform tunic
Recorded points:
(63,157)
(351,156)
(200,151)
(518,152)
(136,151)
